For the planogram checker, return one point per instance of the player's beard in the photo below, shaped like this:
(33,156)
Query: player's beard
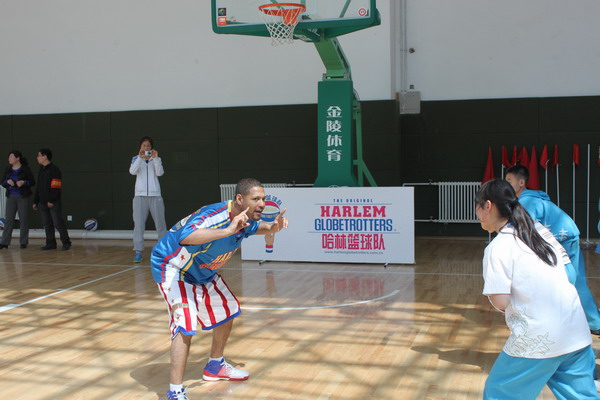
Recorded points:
(256,214)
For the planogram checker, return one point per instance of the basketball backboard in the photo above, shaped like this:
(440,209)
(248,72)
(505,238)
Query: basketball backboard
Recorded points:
(322,18)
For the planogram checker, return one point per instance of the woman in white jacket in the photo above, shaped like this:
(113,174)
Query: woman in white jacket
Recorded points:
(147,167)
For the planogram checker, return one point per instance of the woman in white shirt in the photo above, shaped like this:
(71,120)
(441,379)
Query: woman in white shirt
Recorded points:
(525,277)
(147,167)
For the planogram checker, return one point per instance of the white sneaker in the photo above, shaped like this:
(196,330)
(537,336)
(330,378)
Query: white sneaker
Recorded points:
(226,372)
(597,382)
(176,396)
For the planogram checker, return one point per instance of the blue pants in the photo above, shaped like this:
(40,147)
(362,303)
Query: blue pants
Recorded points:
(585,296)
(570,377)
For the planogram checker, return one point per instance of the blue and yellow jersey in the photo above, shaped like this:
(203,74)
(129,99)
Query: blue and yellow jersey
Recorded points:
(198,263)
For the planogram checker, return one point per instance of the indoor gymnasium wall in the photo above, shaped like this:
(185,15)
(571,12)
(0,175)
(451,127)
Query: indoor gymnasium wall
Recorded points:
(65,56)
(200,149)
(88,79)
(449,140)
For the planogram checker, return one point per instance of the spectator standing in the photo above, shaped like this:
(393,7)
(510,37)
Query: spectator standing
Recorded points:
(146,166)
(18,181)
(47,199)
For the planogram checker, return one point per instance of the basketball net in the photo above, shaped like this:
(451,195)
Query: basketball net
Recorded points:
(281,20)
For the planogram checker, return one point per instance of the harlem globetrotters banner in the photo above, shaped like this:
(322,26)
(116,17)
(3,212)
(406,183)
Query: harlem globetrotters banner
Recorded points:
(342,225)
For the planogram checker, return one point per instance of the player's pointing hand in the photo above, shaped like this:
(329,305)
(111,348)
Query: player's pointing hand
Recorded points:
(280,222)
(239,222)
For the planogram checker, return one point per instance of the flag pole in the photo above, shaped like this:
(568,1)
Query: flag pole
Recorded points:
(557,186)
(546,173)
(587,236)
(573,190)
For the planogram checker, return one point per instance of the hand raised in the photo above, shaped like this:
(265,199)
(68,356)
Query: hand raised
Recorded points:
(239,222)
(280,222)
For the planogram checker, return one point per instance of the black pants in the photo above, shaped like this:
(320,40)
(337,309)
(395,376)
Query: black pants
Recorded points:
(52,218)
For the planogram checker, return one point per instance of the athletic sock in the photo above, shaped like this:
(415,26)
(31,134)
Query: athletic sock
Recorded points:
(176,388)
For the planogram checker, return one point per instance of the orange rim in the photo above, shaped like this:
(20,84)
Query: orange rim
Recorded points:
(290,15)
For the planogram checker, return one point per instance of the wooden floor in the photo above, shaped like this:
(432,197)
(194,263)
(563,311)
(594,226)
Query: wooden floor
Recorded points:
(88,324)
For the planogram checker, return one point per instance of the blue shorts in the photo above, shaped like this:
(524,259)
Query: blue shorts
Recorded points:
(569,376)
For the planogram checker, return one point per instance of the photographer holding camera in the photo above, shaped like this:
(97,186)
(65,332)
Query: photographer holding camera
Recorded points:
(147,167)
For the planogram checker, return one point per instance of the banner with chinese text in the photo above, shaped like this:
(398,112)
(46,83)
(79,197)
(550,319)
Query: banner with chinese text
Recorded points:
(335,141)
(342,225)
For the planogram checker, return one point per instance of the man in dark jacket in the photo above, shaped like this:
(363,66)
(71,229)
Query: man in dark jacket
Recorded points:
(47,200)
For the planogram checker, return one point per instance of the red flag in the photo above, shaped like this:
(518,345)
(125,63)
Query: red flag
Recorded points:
(488,174)
(505,161)
(576,154)
(534,176)
(555,157)
(523,157)
(514,156)
(544,157)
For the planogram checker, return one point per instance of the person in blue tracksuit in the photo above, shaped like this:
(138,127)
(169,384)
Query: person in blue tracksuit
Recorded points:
(540,208)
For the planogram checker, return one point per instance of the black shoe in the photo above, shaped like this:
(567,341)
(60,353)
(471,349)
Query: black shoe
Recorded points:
(66,246)
(3,246)
(46,247)
(595,331)
(23,246)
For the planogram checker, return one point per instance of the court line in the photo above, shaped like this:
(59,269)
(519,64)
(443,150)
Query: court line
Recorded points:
(12,306)
(395,292)
(388,270)
(66,265)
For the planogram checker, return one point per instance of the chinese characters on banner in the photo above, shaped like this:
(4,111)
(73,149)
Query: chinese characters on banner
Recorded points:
(364,225)
(333,127)
(335,144)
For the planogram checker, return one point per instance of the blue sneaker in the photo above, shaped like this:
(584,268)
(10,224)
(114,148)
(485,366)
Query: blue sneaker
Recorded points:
(171,395)
(137,258)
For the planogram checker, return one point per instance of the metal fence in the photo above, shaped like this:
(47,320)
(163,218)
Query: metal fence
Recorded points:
(456,201)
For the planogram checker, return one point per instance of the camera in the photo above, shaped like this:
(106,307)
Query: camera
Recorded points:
(148,152)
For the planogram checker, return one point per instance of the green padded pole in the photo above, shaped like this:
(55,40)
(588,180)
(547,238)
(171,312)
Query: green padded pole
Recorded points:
(347,134)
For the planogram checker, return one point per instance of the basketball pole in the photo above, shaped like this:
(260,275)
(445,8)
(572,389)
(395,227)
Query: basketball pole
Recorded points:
(337,69)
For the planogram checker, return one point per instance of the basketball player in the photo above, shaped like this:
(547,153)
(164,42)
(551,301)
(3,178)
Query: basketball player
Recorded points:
(184,264)
(540,208)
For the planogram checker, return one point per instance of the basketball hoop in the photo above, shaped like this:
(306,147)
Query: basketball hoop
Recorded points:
(281,20)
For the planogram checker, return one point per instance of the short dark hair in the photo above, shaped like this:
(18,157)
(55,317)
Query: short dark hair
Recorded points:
(243,186)
(18,155)
(520,171)
(147,138)
(46,152)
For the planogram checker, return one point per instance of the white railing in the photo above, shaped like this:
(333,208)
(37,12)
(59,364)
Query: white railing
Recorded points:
(456,201)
